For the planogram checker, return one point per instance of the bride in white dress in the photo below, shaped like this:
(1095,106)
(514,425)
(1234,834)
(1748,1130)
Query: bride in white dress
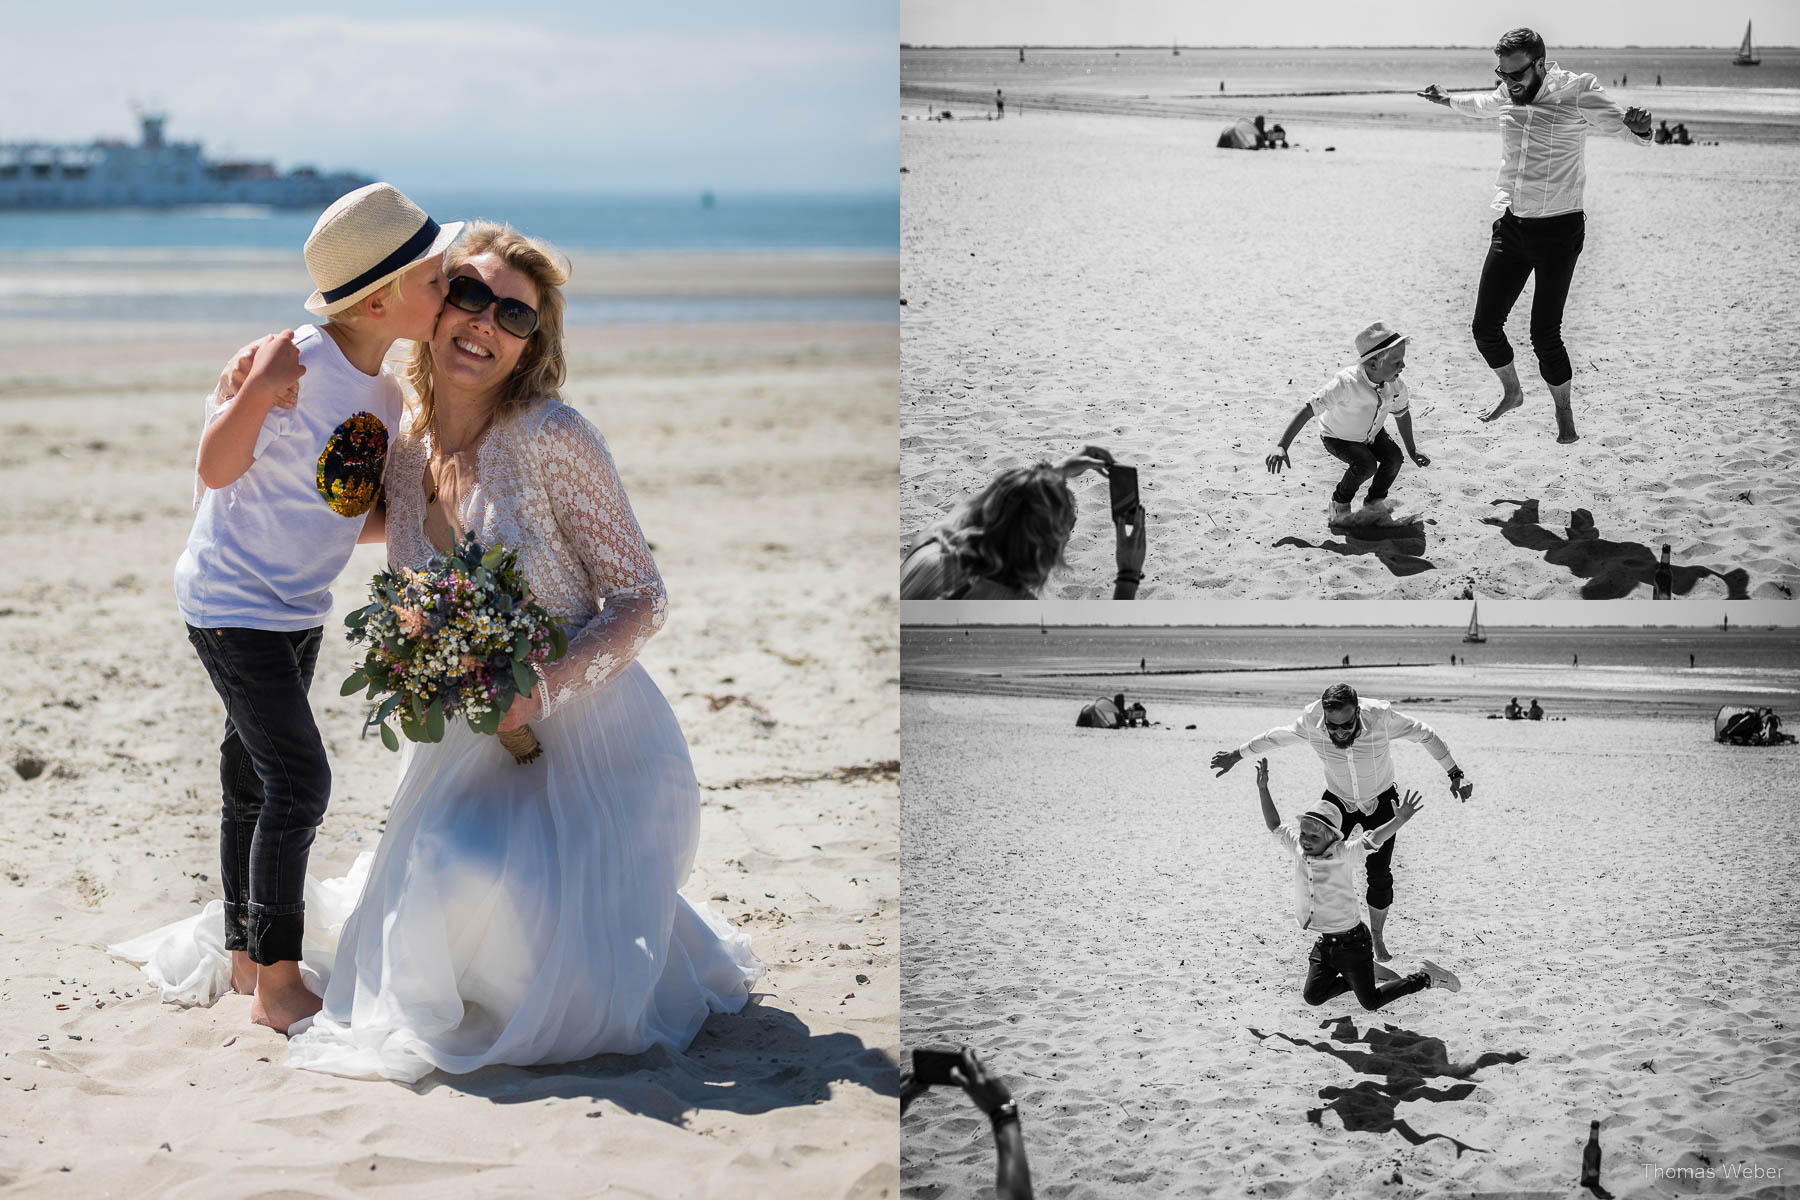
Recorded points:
(512,914)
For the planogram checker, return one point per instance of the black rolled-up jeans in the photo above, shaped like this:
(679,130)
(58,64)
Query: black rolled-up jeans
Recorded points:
(1521,245)
(1379,866)
(1381,458)
(1345,962)
(275,782)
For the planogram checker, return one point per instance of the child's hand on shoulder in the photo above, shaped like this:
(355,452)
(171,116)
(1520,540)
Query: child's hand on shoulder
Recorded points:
(1410,804)
(273,368)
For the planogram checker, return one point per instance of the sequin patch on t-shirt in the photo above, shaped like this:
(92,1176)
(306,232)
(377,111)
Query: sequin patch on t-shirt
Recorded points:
(350,469)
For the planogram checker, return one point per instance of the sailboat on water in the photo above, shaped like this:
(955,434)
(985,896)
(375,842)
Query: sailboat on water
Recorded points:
(1475,634)
(1746,55)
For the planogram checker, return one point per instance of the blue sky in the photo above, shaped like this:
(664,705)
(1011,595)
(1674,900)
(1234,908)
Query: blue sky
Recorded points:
(550,96)
(1335,23)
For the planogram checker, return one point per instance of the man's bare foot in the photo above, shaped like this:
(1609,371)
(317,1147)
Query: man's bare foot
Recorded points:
(281,997)
(1381,951)
(1506,405)
(1565,424)
(243,973)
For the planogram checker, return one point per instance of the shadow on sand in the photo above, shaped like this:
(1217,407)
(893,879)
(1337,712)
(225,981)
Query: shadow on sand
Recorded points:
(1404,1061)
(1613,570)
(1399,547)
(755,1061)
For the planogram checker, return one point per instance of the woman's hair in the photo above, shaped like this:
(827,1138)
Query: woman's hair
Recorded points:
(1013,532)
(541,368)
(1519,39)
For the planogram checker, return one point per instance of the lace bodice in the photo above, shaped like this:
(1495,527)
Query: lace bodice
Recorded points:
(546,487)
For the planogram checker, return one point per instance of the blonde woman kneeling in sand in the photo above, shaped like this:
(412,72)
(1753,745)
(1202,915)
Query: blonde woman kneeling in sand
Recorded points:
(1325,901)
(1353,408)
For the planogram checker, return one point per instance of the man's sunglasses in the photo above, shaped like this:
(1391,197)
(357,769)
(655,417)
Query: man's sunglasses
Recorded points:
(1517,76)
(473,296)
(1341,726)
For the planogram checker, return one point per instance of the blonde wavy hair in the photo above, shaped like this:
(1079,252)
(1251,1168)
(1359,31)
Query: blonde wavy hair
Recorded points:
(1013,533)
(542,368)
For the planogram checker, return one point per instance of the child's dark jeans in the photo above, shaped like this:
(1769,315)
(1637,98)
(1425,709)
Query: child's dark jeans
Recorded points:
(1379,461)
(1344,962)
(275,780)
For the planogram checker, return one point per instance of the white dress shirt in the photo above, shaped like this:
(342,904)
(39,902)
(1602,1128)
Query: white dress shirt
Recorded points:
(1327,893)
(1543,167)
(1353,409)
(1358,773)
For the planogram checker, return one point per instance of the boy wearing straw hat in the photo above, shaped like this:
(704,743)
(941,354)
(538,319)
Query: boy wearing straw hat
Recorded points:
(289,481)
(1353,408)
(1325,901)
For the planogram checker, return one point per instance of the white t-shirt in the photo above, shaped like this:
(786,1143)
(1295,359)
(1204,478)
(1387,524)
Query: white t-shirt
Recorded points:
(265,549)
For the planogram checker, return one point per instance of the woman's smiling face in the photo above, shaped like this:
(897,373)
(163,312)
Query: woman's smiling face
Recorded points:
(470,352)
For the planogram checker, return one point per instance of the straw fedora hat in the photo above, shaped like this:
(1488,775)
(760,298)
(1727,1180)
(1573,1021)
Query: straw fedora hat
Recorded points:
(365,239)
(1377,339)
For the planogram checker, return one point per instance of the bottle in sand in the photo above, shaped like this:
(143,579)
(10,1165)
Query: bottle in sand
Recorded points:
(1590,1157)
(1663,587)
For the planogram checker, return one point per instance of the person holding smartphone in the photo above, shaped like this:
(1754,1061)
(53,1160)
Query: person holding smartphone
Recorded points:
(961,1068)
(1352,737)
(1004,543)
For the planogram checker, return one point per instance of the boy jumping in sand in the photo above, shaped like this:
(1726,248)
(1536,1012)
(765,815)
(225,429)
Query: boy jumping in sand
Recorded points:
(1352,409)
(286,493)
(1325,901)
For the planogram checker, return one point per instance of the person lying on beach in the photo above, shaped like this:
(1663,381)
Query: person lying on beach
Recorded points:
(1352,409)
(1343,958)
(1544,113)
(1352,737)
(1012,1174)
(1004,543)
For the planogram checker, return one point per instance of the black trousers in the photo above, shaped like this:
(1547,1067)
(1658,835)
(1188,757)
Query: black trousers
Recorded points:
(275,782)
(1381,458)
(1380,865)
(1345,962)
(1520,246)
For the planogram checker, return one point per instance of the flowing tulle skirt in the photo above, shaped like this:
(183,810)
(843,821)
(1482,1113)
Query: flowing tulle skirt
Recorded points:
(511,914)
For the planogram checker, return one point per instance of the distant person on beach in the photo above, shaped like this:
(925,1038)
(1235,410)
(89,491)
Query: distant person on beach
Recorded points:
(1343,958)
(999,105)
(1453,660)
(1004,543)
(1277,138)
(1663,133)
(1262,135)
(1681,137)
(1536,712)
(1352,738)
(1143,666)
(1545,114)
(1353,408)
(1575,660)
(1012,1179)
(1513,711)
(1690,662)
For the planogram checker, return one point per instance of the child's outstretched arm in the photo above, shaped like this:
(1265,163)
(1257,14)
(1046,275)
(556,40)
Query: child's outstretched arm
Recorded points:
(1277,457)
(1406,810)
(228,446)
(1271,818)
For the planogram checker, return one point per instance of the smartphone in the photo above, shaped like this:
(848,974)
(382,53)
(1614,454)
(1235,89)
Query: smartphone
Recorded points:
(1124,483)
(933,1067)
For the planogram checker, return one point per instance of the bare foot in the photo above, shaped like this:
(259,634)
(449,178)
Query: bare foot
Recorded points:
(281,998)
(1381,951)
(243,973)
(1565,424)
(1506,405)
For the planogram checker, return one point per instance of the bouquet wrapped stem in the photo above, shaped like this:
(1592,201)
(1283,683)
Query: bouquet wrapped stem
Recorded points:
(460,638)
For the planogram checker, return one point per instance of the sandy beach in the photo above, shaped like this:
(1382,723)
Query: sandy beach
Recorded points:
(1111,927)
(760,462)
(1076,278)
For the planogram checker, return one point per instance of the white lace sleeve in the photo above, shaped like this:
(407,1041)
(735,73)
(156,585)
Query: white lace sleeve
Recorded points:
(597,522)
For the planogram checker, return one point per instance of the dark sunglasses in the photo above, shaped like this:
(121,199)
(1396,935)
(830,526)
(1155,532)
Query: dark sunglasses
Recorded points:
(473,296)
(1331,724)
(1519,75)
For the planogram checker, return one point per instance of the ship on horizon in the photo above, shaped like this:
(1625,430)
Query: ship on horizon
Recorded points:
(154,173)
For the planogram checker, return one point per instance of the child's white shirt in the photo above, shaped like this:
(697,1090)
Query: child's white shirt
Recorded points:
(265,548)
(1327,892)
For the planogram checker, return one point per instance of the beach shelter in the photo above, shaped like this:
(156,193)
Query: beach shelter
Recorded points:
(1737,725)
(1101,714)
(1239,135)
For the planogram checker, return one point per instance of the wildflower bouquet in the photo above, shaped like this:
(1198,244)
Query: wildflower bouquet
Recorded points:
(457,638)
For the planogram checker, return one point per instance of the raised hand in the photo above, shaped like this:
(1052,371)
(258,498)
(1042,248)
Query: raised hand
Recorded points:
(1224,760)
(1091,458)
(1432,94)
(1409,806)
(1130,540)
(231,378)
(987,1092)
(1262,772)
(275,365)
(1637,120)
